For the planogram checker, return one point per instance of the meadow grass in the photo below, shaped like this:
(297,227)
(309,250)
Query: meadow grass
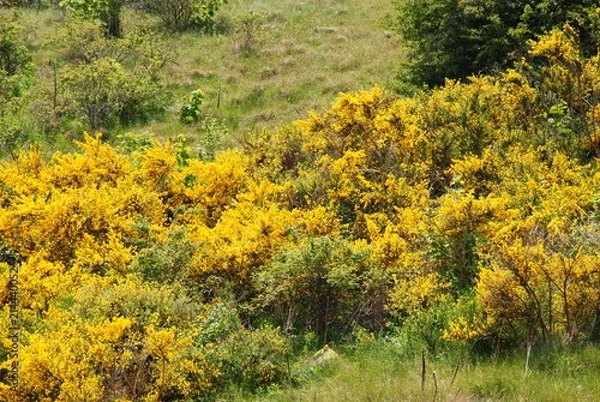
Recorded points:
(300,56)
(380,374)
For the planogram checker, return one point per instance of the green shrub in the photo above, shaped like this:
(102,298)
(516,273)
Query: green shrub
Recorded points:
(190,111)
(455,39)
(250,359)
(180,14)
(111,82)
(105,93)
(107,11)
(165,262)
(14,56)
(247,29)
(15,78)
(204,13)
(322,285)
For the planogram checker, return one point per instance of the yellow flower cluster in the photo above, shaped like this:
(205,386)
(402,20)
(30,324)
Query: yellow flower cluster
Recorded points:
(134,270)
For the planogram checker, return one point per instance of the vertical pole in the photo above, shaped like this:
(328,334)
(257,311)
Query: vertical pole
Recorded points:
(423,371)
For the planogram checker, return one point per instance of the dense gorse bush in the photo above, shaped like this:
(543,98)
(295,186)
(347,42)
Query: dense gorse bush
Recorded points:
(466,215)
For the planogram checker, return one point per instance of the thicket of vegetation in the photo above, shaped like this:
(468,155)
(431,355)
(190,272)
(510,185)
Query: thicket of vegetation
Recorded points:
(455,39)
(463,219)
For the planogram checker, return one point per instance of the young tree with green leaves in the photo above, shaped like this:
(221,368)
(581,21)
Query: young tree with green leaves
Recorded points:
(108,11)
(180,14)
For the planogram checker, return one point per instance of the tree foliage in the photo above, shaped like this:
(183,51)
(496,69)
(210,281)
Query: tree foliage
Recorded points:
(180,14)
(14,55)
(107,11)
(15,71)
(455,39)
(107,82)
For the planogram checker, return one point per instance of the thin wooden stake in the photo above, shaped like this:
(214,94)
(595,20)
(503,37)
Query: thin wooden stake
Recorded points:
(423,371)
(458,364)
(435,387)
(527,359)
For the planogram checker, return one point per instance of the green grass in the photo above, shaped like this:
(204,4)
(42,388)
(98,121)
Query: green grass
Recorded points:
(380,374)
(304,54)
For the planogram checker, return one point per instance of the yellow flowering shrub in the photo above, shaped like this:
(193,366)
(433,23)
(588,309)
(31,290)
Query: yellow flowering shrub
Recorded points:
(212,186)
(416,292)
(245,238)
(466,213)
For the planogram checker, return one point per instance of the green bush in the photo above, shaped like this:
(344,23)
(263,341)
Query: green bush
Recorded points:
(14,56)
(247,28)
(38,4)
(180,14)
(248,358)
(322,285)
(107,11)
(212,134)
(109,82)
(15,78)
(190,111)
(165,262)
(105,93)
(204,13)
(455,39)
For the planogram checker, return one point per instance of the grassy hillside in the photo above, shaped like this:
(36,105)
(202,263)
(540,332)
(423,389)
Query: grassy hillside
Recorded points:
(270,62)
(302,55)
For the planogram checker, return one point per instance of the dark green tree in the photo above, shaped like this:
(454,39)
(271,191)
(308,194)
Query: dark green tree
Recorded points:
(14,55)
(458,38)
